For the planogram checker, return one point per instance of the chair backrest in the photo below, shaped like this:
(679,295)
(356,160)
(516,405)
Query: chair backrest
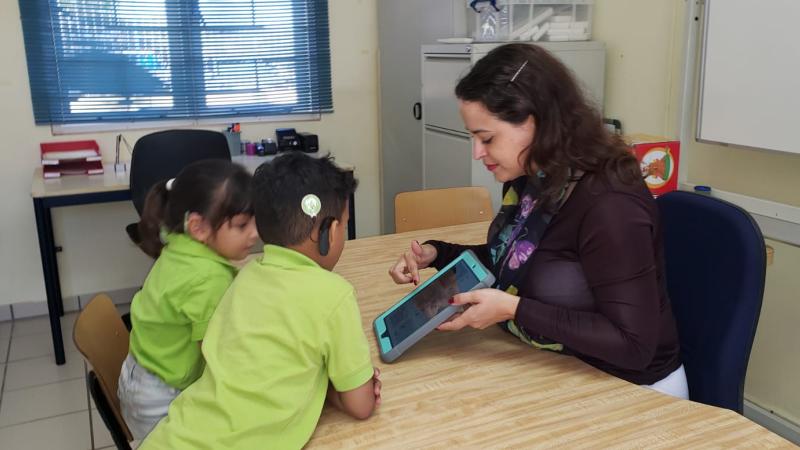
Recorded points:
(715,261)
(101,336)
(159,156)
(431,208)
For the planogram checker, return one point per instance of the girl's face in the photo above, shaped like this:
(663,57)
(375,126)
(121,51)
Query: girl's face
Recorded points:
(234,239)
(501,146)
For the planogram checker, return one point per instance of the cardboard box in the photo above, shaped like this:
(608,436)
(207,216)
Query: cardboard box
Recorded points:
(659,159)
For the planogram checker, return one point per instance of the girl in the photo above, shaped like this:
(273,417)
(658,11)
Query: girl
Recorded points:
(195,224)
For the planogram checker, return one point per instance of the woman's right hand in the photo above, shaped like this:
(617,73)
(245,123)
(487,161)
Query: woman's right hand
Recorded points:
(406,269)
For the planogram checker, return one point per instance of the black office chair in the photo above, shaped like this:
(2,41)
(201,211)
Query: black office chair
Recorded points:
(715,268)
(159,156)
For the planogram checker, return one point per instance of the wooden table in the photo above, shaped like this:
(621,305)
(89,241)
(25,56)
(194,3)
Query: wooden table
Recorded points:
(486,389)
(90,189)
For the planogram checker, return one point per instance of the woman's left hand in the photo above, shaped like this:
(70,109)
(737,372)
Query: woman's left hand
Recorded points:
(485,307)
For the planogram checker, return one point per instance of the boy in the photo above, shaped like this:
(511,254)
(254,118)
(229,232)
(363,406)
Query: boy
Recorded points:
(286,329)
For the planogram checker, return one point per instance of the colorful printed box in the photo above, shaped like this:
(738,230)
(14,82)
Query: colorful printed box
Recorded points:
(658,158)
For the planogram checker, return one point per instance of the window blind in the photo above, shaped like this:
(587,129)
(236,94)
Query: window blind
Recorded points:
(129,60)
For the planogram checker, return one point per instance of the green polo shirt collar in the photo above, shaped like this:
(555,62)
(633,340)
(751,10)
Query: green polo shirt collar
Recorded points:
(184,244)
(275,255)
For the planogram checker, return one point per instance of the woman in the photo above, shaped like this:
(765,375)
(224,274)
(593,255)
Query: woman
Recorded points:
(576,247)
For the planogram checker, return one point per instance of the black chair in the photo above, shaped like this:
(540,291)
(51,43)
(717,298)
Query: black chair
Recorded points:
(715,268)
(159,156)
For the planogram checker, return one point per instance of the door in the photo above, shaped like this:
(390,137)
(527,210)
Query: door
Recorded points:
(403,27)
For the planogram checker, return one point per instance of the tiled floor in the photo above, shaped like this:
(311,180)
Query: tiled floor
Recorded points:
(42,405)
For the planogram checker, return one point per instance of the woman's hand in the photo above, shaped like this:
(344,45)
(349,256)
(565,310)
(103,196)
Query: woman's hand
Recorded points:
(406,269)
(485,307)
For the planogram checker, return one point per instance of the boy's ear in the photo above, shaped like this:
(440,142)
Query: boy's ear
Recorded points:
(197,227)
(335,224)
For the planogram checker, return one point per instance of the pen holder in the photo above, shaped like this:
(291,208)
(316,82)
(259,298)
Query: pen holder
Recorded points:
(234,142)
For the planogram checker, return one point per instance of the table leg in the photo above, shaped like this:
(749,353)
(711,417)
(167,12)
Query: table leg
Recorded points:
(44,228)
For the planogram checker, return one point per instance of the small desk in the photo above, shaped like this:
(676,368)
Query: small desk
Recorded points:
(86,189)
(485,389)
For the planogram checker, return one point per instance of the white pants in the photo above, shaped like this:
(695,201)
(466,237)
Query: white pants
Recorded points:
(143,397)
(673,384)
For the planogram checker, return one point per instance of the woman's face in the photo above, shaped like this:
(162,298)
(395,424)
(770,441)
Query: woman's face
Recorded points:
(501,146)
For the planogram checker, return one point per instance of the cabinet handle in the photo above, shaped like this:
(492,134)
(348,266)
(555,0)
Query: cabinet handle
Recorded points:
(416,110)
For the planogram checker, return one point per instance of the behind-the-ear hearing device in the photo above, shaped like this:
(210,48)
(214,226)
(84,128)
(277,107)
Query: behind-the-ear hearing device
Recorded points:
(324,233)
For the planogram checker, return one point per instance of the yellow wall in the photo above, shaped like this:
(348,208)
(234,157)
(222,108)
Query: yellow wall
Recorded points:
(97,255)
(639,81)
(774,371)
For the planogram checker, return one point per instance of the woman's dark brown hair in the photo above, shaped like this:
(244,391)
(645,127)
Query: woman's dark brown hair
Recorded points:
(569,132)
(214,188)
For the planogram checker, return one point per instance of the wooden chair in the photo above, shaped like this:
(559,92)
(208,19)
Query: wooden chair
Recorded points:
(434,208)
(101,336)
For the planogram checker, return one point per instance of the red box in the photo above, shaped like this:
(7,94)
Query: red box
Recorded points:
(659,159)
(70,158)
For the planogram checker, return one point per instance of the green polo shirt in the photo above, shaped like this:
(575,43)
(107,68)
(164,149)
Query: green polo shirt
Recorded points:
(284,328)
(170,313)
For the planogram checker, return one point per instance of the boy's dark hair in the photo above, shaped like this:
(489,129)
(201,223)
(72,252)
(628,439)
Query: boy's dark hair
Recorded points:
(280,185)
(214,188)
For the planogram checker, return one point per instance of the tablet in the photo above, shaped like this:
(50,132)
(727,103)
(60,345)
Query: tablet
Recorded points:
(426,307)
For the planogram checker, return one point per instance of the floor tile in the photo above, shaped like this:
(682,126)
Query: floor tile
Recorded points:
(5,313)
(25,405)
(43,370)
(3,350)
(35,345)
(5,330)
(41,324)
(66,432)
(102,438)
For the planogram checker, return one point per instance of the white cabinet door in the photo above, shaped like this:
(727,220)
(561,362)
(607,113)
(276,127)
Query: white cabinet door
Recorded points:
(448,159)
(440,74)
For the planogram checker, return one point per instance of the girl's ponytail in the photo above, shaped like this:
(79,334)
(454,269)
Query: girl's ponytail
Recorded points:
(153,213)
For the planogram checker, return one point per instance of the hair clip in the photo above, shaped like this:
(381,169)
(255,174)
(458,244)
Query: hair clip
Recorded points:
(170,182)
(311,205)
(518,71)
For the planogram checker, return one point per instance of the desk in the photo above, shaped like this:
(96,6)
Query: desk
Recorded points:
(86,189)
(485,389)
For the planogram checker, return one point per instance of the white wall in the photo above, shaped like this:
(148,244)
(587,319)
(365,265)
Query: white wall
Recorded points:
(97,254)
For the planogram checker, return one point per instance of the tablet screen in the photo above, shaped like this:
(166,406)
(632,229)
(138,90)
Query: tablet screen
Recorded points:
(428,302)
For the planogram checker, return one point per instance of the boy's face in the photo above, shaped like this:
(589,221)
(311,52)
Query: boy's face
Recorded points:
(338,235)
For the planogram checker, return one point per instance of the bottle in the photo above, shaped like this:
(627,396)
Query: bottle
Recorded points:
(493,21)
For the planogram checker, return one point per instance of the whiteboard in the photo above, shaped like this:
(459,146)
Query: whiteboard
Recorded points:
(750,74)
